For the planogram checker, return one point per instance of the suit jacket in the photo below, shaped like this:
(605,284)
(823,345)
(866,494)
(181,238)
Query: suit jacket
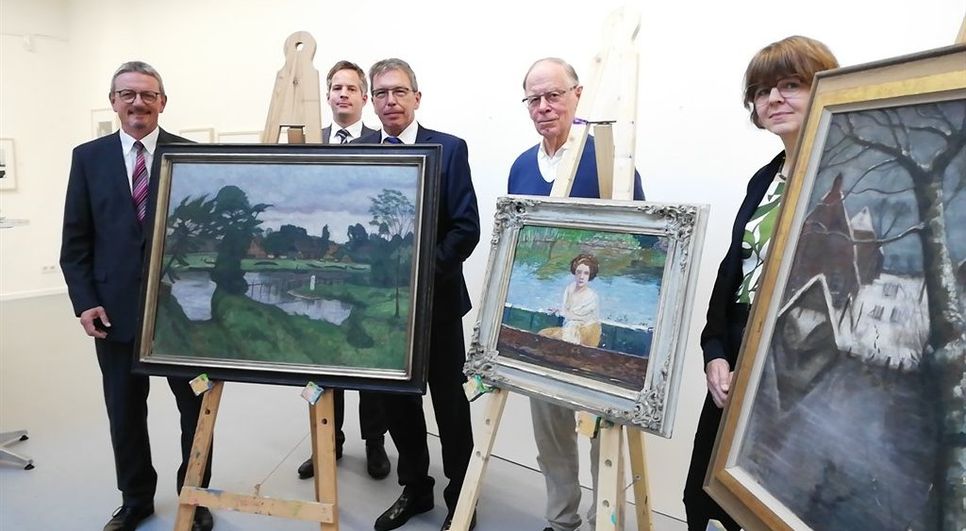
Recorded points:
(722,335)
(102,247)
(327,132)
(458,222)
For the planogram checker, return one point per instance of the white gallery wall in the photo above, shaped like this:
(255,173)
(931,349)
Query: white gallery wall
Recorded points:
(219,60)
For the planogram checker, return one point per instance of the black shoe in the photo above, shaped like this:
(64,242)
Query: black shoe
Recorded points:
(203,520)
(127,517)
(408,505)
(377,462)
(307,469)
(449,522)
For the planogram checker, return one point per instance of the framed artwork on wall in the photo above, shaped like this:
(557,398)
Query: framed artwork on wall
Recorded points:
(8,165)
(289,264)
(239,137)
(202,135)
(103,122)
(848,405)
(587,302)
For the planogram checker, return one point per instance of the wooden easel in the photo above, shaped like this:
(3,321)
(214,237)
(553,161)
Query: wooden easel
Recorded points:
(608,102)
(295,104)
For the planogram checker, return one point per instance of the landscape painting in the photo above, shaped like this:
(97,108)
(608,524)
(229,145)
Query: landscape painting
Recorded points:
(856,418)
(584,302)
(305,267)
(587,303)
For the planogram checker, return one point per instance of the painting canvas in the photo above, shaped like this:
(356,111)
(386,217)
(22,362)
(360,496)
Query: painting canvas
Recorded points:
(849,407)
(292,263)
(587,303)
(8,165)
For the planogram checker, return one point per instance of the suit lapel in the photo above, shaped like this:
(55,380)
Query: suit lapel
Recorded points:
(326,132)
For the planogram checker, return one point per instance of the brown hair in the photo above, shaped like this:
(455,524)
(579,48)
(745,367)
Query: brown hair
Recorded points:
(791,56)
(587,260)
(347,65)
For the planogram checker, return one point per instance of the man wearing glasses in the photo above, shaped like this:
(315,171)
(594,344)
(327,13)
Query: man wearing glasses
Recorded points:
(101,255)
(552,90)
(346,84)
(395,97)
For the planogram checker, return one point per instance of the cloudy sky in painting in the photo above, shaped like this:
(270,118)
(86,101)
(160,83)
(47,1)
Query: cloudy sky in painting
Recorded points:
(310,196)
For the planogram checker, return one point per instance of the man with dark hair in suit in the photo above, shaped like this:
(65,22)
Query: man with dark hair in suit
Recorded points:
(348,93)
(395,96)
(347,89)
(102,254)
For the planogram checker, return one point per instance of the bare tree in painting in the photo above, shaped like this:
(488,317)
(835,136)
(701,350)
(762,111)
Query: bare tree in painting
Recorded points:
(918,152)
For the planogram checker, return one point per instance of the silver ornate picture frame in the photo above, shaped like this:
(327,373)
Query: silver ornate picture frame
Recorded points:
(586,303)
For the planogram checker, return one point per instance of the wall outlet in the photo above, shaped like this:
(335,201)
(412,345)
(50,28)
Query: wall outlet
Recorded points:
(49,269)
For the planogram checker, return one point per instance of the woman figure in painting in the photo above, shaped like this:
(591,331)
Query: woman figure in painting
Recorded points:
(580,308)
(777,84)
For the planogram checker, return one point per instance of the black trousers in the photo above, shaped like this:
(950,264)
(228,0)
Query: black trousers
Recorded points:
(698,505)
(407,425)
(372,420)
(125,395)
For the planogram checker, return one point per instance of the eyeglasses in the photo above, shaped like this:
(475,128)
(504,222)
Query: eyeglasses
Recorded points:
(128,96)
(554,96)
(789,87)
(397,92)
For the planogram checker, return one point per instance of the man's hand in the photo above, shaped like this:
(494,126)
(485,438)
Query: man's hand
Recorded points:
(719,375)
(98,328)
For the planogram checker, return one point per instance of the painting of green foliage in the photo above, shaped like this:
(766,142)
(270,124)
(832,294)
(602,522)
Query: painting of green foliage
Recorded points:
(301,266)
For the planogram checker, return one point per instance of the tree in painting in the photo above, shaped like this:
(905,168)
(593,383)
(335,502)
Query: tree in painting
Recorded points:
(874,278)
(189,225)
(394,215)
(236,222)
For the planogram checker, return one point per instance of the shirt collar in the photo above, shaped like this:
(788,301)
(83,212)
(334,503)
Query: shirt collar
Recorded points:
(355,130)
(150,141)
(408,135)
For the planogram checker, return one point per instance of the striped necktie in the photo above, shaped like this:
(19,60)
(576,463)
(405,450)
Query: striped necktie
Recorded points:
(139,183)
(392,140)
(343,136)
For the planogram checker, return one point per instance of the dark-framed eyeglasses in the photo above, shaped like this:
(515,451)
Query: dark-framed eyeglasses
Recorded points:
(128,95)
(553,96)
(397,92)
(788,87)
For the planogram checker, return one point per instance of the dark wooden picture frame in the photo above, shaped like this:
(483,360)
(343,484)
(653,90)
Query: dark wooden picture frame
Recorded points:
(286,264)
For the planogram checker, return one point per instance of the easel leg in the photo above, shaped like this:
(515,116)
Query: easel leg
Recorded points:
(200,452)
(610,495)
(485,436)
(322,419)
(642,489)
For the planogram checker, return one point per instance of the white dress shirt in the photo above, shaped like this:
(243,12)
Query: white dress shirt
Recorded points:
(150,143)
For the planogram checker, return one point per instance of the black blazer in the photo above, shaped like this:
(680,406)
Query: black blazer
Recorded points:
(327,132)
(102,247)
(721,337)
(458,222)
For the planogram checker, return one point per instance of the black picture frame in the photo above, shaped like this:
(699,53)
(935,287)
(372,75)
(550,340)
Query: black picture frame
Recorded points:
(366,291)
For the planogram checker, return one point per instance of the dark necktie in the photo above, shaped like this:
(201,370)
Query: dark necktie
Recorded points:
(392,140)
(343,136)
(139,183)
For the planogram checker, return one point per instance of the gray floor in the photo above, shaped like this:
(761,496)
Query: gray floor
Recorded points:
(50,385)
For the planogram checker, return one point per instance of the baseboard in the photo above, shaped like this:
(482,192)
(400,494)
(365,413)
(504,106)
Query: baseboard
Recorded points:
(32,293)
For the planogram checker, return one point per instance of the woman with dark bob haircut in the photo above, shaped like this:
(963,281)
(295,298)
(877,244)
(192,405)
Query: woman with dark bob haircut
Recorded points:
(777,84)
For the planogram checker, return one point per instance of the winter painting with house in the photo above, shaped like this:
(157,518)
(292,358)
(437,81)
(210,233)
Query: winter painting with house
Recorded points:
(858,421)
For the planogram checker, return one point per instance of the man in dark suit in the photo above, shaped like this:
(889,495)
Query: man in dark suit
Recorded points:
(395,96)
(348,93)
(102,255)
